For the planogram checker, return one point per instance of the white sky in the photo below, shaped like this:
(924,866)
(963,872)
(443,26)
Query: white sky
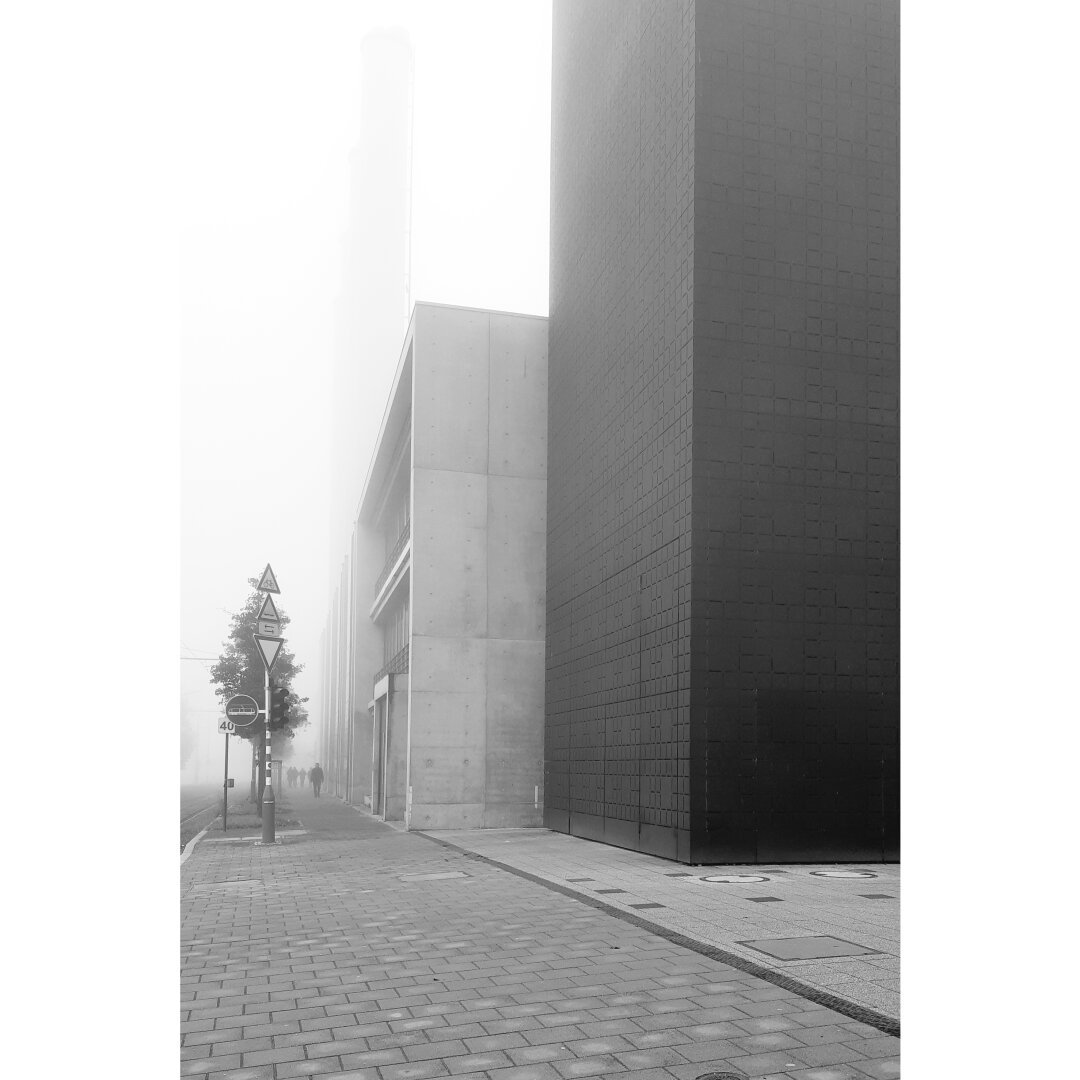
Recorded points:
(268,115)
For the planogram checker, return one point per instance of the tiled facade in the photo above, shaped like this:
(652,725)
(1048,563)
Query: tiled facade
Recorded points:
(723,512)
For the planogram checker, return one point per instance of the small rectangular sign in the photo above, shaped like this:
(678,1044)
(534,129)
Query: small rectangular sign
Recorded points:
(269,627)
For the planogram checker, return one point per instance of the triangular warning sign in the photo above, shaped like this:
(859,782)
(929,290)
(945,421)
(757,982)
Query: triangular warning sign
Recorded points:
(269,647)
(268,611)
(268,583)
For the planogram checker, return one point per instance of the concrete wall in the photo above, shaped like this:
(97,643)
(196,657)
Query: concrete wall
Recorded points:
(397,741)
(478,535)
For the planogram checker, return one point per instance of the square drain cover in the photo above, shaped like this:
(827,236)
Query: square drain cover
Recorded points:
(807,948)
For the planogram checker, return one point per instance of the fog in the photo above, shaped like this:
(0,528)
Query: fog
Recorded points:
(270,118)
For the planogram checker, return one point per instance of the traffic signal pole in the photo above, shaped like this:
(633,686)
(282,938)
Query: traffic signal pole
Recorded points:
(268,833)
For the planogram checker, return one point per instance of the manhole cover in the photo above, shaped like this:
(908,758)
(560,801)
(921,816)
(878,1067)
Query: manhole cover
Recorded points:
(721,1076)
(843,873)
(735,879)
(819,947)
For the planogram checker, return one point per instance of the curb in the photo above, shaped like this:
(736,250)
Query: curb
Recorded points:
(190,847)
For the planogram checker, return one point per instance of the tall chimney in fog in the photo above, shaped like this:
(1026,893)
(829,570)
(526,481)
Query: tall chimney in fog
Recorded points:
(374,304)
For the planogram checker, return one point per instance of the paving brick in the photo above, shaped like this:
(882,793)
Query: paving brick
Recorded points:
(296,1014)
(289,1069)
(513,1023)
(555,1034)
(462,1031)
(414,1070)
(880,1069)
(362,1030)
(243,1046)
(206,1039)
(827,1054)
(302,1038)
(357,1050)
(445,1049)
(258,1027)
(199,1065)
(705,1032)
(478,1062)
(830,1072)
(763,1064)
(762,1044)
(589,1066)
(539,1071)
(666,1037)
(271,1056)
(655,1058)
(710,1049)
(885,1046)
(530,1055)
(595,1047)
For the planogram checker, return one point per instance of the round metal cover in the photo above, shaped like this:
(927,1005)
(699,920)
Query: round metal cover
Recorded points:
(843,873)
(721,1076)
(734,879)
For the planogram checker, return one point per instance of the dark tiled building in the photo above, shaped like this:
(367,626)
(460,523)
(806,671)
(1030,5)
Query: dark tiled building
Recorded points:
(723,492)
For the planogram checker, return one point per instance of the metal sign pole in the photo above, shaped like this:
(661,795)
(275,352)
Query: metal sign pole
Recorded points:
(268,834)
(225,789)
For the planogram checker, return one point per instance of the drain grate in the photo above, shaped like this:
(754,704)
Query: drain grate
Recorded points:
(820,947)
(735,879)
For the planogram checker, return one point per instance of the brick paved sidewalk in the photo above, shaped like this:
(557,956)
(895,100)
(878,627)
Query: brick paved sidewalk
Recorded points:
(356,950)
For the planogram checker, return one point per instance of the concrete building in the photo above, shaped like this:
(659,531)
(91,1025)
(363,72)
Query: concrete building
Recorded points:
(434,649)
(723,512)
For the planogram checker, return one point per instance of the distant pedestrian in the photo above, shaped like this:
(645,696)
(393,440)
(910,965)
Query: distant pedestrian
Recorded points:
(303,776)
(292,774)
(316,777)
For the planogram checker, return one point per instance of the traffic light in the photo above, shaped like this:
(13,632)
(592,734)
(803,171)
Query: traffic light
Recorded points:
(279,706)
